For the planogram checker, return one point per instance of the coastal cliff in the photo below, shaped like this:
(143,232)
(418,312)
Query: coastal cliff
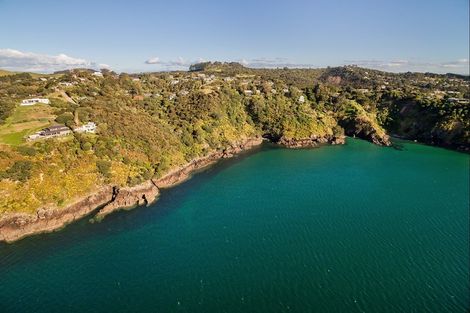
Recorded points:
(368,131)
(15,226)
(313,141)
(109,199)
(181,174)
(129,197)
(358,122)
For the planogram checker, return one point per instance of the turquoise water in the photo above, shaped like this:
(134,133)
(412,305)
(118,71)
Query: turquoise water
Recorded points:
(354,228)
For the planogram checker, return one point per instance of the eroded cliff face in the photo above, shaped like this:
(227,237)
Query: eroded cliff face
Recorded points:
(366,129)
(18,225)
(313,141)
(129,197)
(108,199)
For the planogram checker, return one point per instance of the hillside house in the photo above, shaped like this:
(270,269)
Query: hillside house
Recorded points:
(51,132)
(56,131)
(33,101)
(97,74)
(89,127)
(66,84)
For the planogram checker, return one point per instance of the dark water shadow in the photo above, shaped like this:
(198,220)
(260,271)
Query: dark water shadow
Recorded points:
(398,146)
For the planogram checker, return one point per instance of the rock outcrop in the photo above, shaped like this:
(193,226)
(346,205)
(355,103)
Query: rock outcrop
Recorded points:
(129,197)
(18,225)
(366,129)
(313,141)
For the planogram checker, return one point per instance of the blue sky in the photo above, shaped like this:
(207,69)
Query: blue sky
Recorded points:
(139,35)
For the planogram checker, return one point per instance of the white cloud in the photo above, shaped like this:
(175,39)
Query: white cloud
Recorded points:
(177,64)
(461,63)
(16,60)
(379,63)
(153,61)
(272,63)
(458,66)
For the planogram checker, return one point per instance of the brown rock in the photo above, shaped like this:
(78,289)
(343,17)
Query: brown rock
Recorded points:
(143,194)
(15,226)
(313,141)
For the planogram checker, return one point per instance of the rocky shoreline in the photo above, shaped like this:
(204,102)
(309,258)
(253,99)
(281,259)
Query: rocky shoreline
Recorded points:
(108,199)
(313,141)
(18,225)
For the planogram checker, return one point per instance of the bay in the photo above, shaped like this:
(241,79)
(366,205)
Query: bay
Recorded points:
(353,228)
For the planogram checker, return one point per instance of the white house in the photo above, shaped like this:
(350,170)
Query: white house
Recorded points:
(89,127)
(33,101)
(34,136)
(66,84)
(98,74)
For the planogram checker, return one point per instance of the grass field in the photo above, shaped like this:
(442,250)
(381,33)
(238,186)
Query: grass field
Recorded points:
(24,121)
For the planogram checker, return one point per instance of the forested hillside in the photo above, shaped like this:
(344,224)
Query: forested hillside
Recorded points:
(148,124)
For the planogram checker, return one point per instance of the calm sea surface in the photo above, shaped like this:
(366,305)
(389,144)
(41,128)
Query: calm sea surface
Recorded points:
(354,228)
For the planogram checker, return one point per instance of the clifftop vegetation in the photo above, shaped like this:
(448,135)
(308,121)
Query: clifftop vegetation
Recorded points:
(151,123)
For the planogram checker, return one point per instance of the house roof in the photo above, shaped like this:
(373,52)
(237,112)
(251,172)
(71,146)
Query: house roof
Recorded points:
(57,128)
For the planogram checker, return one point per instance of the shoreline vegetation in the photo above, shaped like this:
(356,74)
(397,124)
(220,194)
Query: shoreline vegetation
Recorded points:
(109,199)
(153,130)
